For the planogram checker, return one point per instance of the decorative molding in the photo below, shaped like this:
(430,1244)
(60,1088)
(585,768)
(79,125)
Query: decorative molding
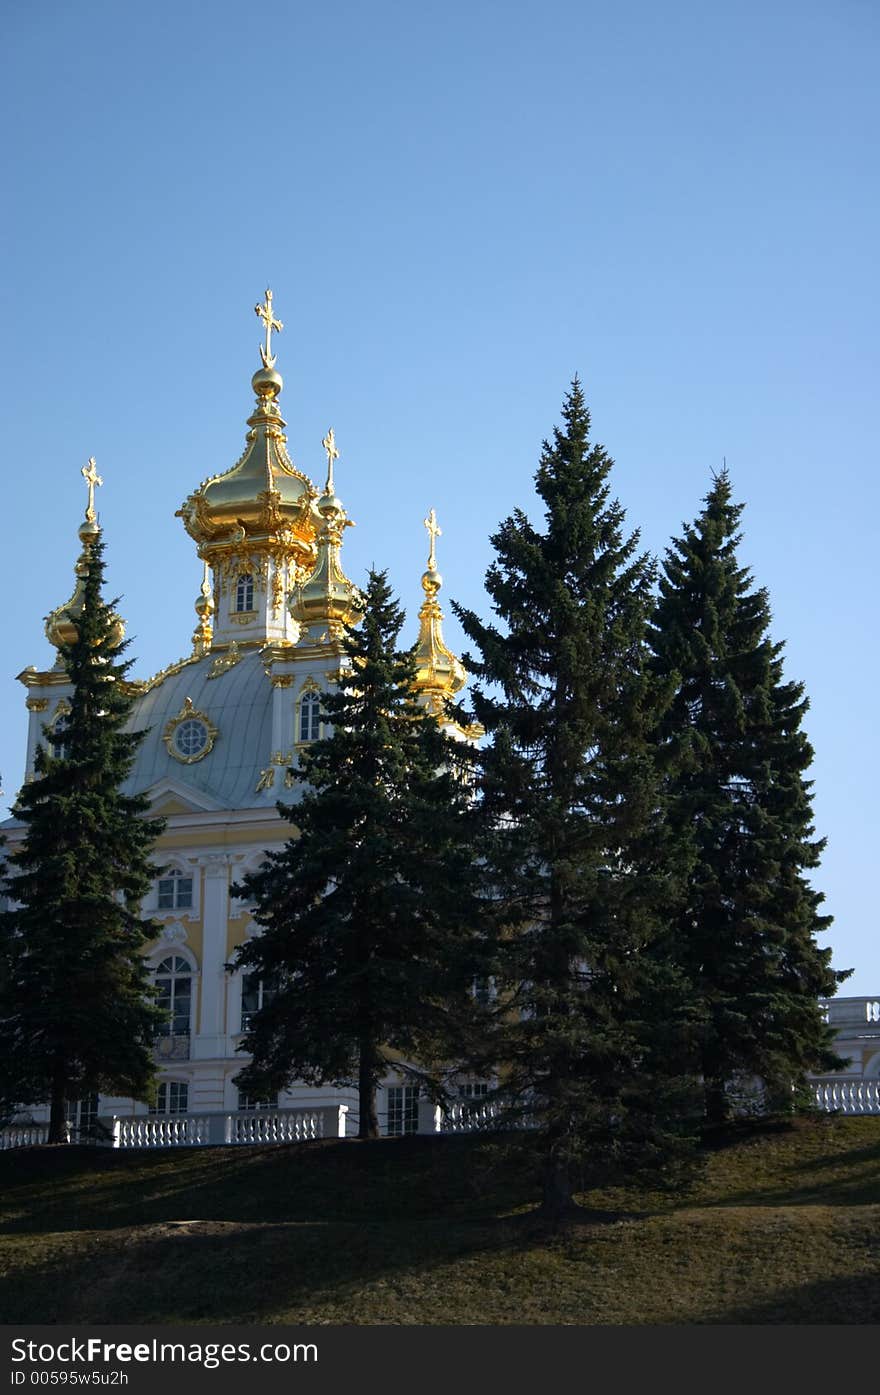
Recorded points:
(36,704)
(174,933)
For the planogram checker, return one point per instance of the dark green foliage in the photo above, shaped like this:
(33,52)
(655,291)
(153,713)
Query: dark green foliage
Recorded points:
(369,910)
(734,756)
(76,1013)
(589,1034)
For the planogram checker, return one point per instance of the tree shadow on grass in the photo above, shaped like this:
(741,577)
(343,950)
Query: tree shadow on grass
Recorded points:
(95,1189)
(229,1272)
(853,1299)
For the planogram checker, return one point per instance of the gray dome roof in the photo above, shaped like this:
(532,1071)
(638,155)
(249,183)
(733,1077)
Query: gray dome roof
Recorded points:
(238,703)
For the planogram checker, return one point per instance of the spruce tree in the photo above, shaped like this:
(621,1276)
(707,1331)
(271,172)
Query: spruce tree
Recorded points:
(588,1040)
(735,757)
(77,1013)
(368,911)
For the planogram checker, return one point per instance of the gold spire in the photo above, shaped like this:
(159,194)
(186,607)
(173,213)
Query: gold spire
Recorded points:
(440,675)
(328,598)
(265,314)
(204,630)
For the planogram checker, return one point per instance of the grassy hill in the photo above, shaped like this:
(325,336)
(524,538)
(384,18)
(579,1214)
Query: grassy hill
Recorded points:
(777,1225)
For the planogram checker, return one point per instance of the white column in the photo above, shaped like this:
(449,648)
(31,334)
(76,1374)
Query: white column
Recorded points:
(211,1037)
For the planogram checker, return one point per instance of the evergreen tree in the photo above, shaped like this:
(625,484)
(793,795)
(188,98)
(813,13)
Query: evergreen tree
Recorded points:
(589,1024)
(77,1015)
(369,909)
(735,755)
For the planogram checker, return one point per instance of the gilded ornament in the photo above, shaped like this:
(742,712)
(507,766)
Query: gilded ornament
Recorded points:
(266,780)
(168,672)
(36,704)
(226,660)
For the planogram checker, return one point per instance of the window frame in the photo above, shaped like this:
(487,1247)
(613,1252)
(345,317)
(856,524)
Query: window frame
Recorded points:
(244,592)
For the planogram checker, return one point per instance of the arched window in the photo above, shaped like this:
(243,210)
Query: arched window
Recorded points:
(172,1098)
(174,994)
(244,592)
(256,992)
(310,716)
(174,892)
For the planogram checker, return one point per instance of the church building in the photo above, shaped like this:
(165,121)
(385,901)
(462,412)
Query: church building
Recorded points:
(225,726)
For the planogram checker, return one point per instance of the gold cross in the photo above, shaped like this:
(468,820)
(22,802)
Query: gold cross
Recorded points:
(91,477)
(265,314)
(431,524)
(329,444)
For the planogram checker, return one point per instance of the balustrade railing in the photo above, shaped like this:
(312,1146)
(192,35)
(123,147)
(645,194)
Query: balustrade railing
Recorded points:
(848,1095)
(23,1135)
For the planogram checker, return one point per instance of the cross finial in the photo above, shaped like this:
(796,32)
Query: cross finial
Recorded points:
(434,533)
(329,444)
(91,477)
(269,320)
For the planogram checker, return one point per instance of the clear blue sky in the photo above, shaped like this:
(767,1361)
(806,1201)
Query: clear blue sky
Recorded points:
(457,207)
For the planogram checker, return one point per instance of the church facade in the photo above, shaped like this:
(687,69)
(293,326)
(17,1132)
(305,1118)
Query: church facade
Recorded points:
(225,728)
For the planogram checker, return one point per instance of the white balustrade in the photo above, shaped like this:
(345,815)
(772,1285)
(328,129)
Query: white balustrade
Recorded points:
(848,1095)
(23,1135)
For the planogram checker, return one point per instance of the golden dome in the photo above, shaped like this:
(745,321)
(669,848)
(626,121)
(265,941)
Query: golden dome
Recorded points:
(263,498)
(61,627)
(263,502)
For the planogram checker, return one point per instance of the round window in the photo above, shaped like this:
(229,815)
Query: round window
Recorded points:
(191,738)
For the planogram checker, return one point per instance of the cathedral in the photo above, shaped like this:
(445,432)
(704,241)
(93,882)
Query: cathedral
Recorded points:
(224,728)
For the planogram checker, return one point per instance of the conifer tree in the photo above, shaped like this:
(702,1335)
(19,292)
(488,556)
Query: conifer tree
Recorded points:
(77,1013)
(735,757)
(368,911)
(589,1026)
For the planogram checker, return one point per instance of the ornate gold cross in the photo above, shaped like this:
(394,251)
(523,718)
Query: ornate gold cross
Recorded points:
(265,314)
(434,532)
(329,444)
(91,477)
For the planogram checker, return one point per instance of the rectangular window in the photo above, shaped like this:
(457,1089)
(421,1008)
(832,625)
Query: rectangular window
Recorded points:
(403,1109)
(473,1090)
(82,1114)
(175,892)
(255,994)
(251,1102)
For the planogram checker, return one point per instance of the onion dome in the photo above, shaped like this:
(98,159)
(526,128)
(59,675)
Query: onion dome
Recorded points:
(263,503)
(61,627)
(327,598)
(439,674)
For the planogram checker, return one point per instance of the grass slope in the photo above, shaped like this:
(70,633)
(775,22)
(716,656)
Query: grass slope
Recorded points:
(778,1225)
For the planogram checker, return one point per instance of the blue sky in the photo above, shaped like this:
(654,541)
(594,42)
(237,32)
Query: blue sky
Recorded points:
(457,208)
